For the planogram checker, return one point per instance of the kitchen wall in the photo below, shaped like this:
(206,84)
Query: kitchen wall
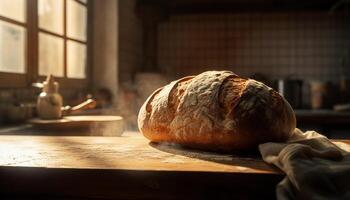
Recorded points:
(130,41)
(117,46)
(307,45)
(105,45)
(130,60)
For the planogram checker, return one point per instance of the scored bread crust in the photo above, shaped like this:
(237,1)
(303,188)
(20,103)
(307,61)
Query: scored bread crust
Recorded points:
(216,110)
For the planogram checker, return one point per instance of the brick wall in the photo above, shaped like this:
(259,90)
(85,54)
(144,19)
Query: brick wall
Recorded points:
(308,45)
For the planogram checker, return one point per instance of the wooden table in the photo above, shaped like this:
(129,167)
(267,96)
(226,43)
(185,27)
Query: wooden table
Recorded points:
(127,167)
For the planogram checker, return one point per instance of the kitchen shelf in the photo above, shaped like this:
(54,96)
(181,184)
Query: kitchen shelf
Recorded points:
(324,117)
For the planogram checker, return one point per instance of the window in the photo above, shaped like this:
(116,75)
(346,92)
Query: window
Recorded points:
(41,37)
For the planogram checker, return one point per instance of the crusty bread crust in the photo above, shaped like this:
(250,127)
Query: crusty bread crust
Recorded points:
(216,110)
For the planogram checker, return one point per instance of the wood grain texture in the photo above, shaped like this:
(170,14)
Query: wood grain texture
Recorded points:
(92,122)
(130,152)
(127,167)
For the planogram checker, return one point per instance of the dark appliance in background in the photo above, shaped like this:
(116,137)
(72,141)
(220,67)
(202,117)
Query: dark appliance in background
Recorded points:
(291,89)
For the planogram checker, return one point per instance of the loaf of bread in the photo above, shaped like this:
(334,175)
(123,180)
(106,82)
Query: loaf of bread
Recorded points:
(218,111)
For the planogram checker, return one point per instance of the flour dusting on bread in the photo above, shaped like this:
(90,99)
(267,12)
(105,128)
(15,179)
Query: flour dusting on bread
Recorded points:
(216,110)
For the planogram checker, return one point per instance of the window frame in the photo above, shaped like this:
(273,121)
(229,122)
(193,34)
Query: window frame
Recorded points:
(16,80)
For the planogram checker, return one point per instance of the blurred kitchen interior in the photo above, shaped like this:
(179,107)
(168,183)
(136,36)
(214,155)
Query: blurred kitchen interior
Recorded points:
(119,51)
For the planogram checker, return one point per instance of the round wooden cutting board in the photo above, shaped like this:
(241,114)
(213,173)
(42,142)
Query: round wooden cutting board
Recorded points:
(108,125)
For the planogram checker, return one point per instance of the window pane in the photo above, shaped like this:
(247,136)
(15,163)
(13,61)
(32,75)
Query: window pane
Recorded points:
(14,9)
(76,60)
(50,55)
(76,20)
(12,48)
(51,15)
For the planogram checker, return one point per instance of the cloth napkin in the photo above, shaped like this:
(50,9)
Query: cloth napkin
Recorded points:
(315,167)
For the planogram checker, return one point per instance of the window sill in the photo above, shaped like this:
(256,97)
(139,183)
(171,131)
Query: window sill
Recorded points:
(12,80)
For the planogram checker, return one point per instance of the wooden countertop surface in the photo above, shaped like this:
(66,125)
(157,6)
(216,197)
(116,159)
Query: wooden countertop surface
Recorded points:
(127,167)
(130,152)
